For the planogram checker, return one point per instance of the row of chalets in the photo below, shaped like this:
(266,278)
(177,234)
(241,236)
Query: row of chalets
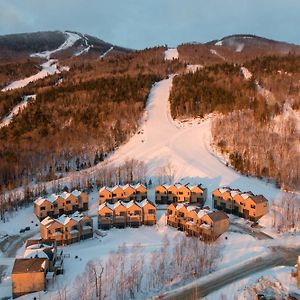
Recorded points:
(122,214)
(196,221)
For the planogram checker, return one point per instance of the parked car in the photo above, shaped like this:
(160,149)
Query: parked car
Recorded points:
(22,230)
(27,228)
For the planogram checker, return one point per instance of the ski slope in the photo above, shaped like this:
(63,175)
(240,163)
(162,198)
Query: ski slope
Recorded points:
(19,107)
(50,67)
(184,145)
(171,54)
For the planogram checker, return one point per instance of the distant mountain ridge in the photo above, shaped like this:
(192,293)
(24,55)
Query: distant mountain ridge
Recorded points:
(22,45)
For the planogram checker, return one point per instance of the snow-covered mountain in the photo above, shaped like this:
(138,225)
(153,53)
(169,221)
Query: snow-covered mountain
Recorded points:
(63,44)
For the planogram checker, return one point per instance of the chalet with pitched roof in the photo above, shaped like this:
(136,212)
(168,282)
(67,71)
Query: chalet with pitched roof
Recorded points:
(202,223)
(125,193)
(243,204)
(179,193)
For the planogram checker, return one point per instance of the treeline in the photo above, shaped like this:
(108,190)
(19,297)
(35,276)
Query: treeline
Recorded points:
(129,274)
(259,148)
(67,127)
(220,88)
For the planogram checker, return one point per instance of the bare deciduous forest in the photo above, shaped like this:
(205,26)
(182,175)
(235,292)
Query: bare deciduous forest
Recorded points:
(253,128)
(75,124)
(130,274)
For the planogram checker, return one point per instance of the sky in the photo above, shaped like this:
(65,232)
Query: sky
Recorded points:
(144,23)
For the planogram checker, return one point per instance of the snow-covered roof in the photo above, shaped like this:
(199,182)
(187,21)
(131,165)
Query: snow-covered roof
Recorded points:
(52,198)
(65,195)
(128,204)
(190,223)
(105,188)
(138,185)
(144,202)
(180,205)
(40,201)
(203,212)
(223,190)
(116,187)
(233,193)
(192,207)
(205,226)
(47,221)
(245,196)
(76,193)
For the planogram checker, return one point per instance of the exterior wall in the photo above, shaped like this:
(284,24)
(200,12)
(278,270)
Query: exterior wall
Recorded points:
(238,205)
(197,195)
(217,228)
(104,196)
(49,233)
(172,193)
(141,193)
(161,195)
(69,236)
(129,193)
(43,210)
(134,215)
(25,283)
(105,218)
(184,194)
(59,208)
(149,218)
(118,193)
(83,201)
(256,210)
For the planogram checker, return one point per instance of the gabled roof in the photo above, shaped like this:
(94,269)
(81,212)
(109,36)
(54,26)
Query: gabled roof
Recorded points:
(76,193)
(105,188)
(29,265)
(47,221)
(65,195)
(217,216)
(258,199)
(129,204)
(224,189)
(139,185)
(145,202)
(40,200)
(203,212)
(105,204)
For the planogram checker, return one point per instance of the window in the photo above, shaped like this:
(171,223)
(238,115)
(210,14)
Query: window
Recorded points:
(157,192)
(49,231)
(138,192)
(152,211)
(55,205)
(101,196)
(122,213)
(68,202)
(58,230)
(180,193)
(107,214)
(137,212)
(43,208)
(253,206)
(114,195)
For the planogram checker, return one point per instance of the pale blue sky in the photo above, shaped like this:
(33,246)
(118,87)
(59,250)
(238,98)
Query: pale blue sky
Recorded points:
(144,23)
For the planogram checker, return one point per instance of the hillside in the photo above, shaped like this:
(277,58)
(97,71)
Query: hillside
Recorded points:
(234,49)
(257,101)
